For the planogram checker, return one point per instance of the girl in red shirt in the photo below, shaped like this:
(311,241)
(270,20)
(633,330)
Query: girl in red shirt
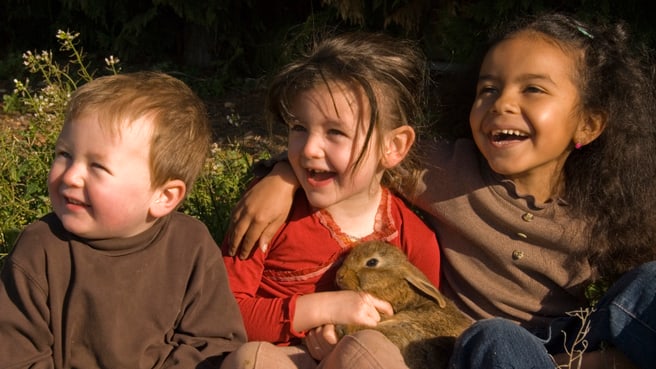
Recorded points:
(349,107)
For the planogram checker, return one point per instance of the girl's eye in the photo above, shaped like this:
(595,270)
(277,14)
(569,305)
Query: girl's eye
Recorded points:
(533,89)
(336,132)
(486,90)
(296,128)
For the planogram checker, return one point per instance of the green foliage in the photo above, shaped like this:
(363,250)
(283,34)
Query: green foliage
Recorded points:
(217,190)
(24,165)
(596,290)
(12,104)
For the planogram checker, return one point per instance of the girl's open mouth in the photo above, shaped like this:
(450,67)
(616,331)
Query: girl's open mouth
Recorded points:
(505,135)
(316,177)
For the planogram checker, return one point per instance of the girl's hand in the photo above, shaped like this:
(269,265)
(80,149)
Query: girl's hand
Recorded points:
(364,309)
(338,307)
(357,308)
(262,210)
(320,341)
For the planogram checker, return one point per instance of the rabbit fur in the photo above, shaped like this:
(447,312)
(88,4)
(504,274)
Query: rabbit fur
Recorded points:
(425,324)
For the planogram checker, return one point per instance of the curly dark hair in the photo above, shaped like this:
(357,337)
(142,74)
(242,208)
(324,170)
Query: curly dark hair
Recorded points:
(392,73)
(610,182)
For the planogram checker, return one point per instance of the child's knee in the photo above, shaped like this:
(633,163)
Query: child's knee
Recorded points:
(244,357)
(493,335)
(366,349)
(260,354)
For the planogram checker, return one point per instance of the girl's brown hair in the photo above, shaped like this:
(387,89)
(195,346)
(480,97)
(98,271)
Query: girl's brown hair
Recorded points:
(392,74)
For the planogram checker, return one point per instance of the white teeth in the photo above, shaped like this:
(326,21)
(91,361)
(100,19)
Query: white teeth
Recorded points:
(74,202)
(510,132)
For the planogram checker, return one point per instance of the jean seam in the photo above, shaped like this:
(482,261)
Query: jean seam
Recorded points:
(633,316)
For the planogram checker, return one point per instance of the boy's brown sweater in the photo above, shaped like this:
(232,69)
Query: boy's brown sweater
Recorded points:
(159,299)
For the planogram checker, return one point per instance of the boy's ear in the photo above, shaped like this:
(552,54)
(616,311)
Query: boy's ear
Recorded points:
(397,144)
(590,128)
(167,198)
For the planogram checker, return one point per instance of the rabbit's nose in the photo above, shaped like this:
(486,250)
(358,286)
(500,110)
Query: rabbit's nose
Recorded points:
(339,278)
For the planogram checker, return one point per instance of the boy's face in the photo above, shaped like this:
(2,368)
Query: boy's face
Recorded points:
(99,182)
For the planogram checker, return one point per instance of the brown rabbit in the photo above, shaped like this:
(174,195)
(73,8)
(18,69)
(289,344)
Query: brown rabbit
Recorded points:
(425,323)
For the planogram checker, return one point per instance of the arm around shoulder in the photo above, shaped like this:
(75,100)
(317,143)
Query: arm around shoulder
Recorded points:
(258,215)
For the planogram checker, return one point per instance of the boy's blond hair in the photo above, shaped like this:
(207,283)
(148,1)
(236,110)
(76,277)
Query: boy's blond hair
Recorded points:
(181,130)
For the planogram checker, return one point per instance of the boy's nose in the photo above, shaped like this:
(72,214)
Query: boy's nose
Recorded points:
(73,175)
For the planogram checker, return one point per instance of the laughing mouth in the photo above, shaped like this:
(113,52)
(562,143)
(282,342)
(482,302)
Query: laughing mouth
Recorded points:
(319,175)
(75,202)
(508,135)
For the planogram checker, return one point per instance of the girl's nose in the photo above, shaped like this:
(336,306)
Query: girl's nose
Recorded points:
(505,102)
(313,146)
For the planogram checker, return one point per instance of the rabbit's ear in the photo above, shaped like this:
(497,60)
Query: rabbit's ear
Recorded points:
(426,287)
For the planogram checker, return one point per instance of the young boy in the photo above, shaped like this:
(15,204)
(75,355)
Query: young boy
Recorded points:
(115,277)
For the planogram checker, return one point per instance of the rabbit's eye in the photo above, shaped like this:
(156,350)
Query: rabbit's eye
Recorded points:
(372,262)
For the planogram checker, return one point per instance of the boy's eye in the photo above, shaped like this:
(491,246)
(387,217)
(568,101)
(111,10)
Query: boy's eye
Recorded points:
(62,154)
(100,167)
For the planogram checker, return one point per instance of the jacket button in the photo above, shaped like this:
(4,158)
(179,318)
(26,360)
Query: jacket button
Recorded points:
(517,254)
(527,217)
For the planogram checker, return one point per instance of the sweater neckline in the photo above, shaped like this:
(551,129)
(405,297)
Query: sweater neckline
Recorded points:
(129,245)
(384,226)
(511,190)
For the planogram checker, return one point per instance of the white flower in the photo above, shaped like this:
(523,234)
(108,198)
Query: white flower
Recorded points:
(111,61)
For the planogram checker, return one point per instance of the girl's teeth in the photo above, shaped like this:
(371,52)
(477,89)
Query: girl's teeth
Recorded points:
(511,132)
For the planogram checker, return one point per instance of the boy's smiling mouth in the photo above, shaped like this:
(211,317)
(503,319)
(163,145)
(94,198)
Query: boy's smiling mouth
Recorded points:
(71,201)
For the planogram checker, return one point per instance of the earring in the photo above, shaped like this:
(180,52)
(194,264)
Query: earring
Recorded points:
(578,145)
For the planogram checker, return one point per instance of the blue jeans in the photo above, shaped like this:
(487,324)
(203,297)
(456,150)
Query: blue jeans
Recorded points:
(625,318)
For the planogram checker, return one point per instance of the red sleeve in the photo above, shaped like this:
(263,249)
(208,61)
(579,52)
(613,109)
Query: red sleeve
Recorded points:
(419,242)
(265,318)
